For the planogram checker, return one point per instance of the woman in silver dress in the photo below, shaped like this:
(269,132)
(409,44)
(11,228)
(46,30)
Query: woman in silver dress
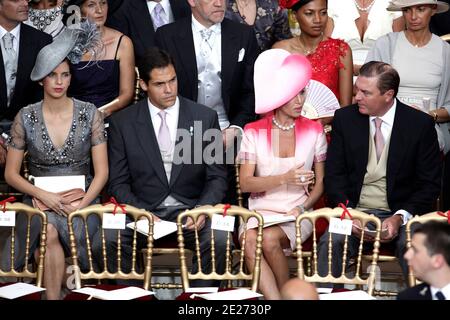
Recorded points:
(61,135)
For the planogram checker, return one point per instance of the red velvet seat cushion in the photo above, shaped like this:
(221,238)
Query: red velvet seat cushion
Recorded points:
(107,287)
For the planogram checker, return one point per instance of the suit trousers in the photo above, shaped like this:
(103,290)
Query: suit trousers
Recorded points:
(352,249)
(189,241)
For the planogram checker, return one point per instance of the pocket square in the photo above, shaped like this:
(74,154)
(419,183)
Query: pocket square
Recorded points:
(241,55)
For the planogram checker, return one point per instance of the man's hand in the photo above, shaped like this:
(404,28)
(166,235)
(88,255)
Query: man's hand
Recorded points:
(356,231)
(228,135)
(200,223)
(392,224)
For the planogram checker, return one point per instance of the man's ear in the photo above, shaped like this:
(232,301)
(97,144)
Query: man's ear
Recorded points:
(191,3)
(438,260)
(389,94)
(143,85)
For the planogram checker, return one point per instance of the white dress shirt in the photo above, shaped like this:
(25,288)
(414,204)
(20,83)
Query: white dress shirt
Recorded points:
(167,9)
(171,118)
(445,291)
(172,123)
(386,129)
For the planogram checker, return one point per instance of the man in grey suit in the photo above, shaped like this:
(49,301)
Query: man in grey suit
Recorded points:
(154,149)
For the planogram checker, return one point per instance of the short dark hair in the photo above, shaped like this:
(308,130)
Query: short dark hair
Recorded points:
(388,77)
(153,58)
(437,238)
(302,3)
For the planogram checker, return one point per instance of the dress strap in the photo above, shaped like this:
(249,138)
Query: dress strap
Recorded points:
(118,45)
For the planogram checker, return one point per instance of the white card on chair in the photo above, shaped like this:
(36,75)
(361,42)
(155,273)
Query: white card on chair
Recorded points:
(60,183)
(219,222)
(347,295)
(7,218)
(161,228)
(114,221)
(340,226)
(128,293)
(18,290)
(238,294)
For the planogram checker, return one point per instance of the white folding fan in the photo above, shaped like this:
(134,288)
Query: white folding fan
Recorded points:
(320,101)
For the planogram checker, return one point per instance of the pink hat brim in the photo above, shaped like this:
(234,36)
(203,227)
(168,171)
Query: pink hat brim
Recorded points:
(278,77)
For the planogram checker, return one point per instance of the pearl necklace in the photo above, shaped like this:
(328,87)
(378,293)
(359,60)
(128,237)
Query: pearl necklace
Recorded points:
(284,128)
(366,9)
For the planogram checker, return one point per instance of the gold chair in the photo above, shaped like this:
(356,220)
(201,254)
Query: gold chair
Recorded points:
(357,280)
(134,274)
(137,86)
(230,275)
(25,271)
(446,37)
(432,216)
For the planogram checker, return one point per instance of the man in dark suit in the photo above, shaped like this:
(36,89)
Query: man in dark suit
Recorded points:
(429,258)
(154,158)
(383,159)
(136,20)
(214,59)
(221,78)
(18,90)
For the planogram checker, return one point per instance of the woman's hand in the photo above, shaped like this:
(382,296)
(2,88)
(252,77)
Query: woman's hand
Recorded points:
(298,176)
(294,212)
(56,203)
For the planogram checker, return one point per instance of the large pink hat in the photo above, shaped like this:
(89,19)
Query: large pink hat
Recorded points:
(278,77)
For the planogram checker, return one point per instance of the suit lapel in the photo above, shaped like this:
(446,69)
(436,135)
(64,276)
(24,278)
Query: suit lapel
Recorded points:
(360,145)
(186,54)
(3,98)
(143,20)
(23,62)
(230,52)
(185,122)
(147,139)
(396,146)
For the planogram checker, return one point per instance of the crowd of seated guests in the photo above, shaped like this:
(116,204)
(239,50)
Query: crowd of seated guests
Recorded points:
(206,56)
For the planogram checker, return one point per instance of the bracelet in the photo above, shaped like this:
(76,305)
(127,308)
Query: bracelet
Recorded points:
(302,208)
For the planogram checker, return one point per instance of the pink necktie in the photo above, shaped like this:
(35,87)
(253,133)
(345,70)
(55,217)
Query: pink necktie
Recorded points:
(379,140)
(164,134)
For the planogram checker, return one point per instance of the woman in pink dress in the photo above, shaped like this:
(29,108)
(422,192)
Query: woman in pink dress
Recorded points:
(277,155)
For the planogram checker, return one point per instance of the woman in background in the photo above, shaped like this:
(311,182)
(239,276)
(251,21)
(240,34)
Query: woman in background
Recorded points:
(331,59)
(360,23)
(422,60)
(268,19)
(46,16)
(105,79)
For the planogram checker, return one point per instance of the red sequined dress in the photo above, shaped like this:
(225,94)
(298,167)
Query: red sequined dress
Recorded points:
(326,62)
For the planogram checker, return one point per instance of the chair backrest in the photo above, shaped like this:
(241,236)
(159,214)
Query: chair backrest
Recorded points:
(446,37)
(240,198)
(19,244)
(329,213)
(230,274)
(137,86)
(98,211)
(432,216)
